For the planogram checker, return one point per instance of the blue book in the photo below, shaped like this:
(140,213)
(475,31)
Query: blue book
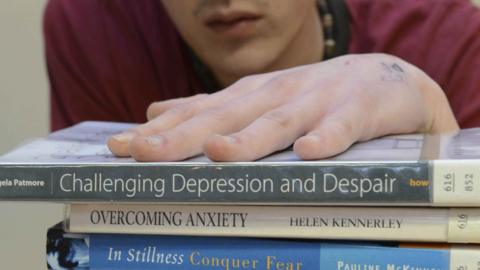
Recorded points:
(117,251)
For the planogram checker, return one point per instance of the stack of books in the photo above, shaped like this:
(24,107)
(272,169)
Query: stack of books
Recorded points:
(396,203)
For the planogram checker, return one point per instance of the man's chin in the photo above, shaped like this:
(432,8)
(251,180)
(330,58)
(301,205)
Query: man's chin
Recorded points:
(244,66)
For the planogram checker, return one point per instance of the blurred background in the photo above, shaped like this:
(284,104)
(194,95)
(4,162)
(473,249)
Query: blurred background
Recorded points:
(24,114)
(23,80)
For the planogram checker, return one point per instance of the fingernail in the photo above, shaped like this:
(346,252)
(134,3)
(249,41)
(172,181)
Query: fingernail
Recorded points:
(124,137)
(155,140)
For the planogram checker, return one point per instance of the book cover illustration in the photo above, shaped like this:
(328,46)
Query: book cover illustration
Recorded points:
(67,251)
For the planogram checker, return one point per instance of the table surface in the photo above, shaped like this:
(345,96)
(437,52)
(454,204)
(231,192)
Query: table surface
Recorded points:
(23,228)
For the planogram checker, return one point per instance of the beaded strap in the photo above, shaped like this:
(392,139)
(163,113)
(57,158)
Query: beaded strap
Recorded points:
(328,29)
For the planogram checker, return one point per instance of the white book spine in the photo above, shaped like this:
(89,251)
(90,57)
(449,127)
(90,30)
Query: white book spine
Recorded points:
(456,182)
(459,225)
(464,258)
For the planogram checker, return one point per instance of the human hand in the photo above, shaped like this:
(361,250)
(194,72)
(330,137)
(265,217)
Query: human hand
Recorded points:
(321,108)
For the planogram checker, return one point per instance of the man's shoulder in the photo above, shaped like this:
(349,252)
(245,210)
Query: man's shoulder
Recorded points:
(117,28)
(381,13)
(406,28)
(87,13)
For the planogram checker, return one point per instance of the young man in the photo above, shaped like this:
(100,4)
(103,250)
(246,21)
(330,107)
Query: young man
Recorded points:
(109,59)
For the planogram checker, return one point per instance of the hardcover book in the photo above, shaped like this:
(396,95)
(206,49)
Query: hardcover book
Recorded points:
(74,165)
(453,225)
(107,251)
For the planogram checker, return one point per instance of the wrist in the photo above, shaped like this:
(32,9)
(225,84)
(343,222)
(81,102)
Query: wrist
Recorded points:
(439,114)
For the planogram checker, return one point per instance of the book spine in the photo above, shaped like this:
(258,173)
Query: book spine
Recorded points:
(464,258)
(457,182)
(103,251)
(454,184)
(456,225)
(265,183)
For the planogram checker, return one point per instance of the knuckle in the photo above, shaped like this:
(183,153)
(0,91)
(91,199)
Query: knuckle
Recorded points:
(278,118)
(284,81)
(285,85)
(252,78)
(349,59)
(344,128)
(141,130)
(247,79)
(195,98)
(201,95)
(218,115)
(183,110)
(244,82)
(152,109)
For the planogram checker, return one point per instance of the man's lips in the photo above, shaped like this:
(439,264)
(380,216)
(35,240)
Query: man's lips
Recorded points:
(233,23)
